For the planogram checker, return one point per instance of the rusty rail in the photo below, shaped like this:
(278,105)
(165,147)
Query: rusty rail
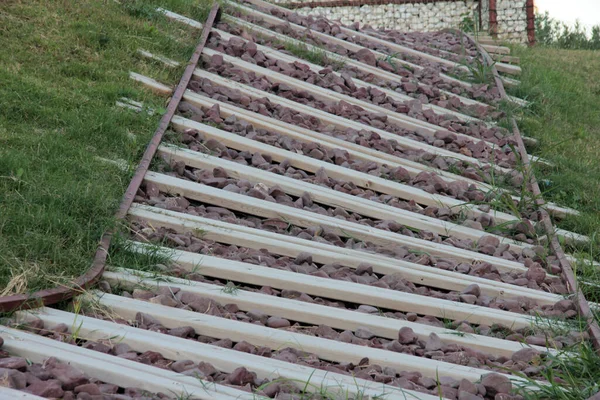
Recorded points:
(56,294)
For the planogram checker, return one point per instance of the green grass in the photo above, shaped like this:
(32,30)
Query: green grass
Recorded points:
(314,54)
(564,86)
(63,64)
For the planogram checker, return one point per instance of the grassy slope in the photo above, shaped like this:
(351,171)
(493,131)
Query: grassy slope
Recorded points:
(63,64)
(564,86)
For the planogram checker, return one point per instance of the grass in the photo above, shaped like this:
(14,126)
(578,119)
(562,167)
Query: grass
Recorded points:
(391,59)
(564,87)
(476,72)
(153,259)
(573,376)
(63,65)
(313,54)
(230,288)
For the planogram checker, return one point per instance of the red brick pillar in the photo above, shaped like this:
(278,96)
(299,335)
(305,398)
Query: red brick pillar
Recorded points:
(493,19)
(530,22)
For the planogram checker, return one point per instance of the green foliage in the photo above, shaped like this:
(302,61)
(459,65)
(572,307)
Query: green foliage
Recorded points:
(312,54)
(480,72)
(550,32)
(63,65)
(467,24)
(572,375)
(564,88)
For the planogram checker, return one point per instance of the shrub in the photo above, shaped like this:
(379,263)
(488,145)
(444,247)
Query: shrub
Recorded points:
(550,32)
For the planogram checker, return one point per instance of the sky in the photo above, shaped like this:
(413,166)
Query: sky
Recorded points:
(568,11)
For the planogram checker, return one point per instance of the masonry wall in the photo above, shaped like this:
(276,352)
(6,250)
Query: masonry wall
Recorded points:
(484,5)
(512,20)
(416,17)
(422,15)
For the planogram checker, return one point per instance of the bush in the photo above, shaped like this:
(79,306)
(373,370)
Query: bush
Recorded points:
(550,32)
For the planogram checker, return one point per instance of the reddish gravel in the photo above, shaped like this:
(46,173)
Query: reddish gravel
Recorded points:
(303,264)
(406,343)
(426,181)
(434,347)
(54,379)
(364,369)
(501,154)
(423,93)
(426,42)
(427,95)
(241,378)
(363,274)
(426,76)
(343,83)
(442,44)
(323,25)
(363,137)
(535,278)
(465,51)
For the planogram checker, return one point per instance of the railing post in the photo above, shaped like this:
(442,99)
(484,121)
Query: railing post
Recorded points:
(493,19)
(530,22)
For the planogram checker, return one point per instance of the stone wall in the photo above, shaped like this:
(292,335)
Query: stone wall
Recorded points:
(423,15)
(485,15)
(412,17)
(512,20)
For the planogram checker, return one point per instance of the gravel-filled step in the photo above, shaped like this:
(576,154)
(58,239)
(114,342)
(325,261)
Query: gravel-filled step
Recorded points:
(443,44)
(521,230)
(323,25)
(362,137)
(363,274)
(241,378)
(424,93)
(407,342)
(535,277)
(501,153)
(343,83)
(364,369)
(428,76)
(57,380)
